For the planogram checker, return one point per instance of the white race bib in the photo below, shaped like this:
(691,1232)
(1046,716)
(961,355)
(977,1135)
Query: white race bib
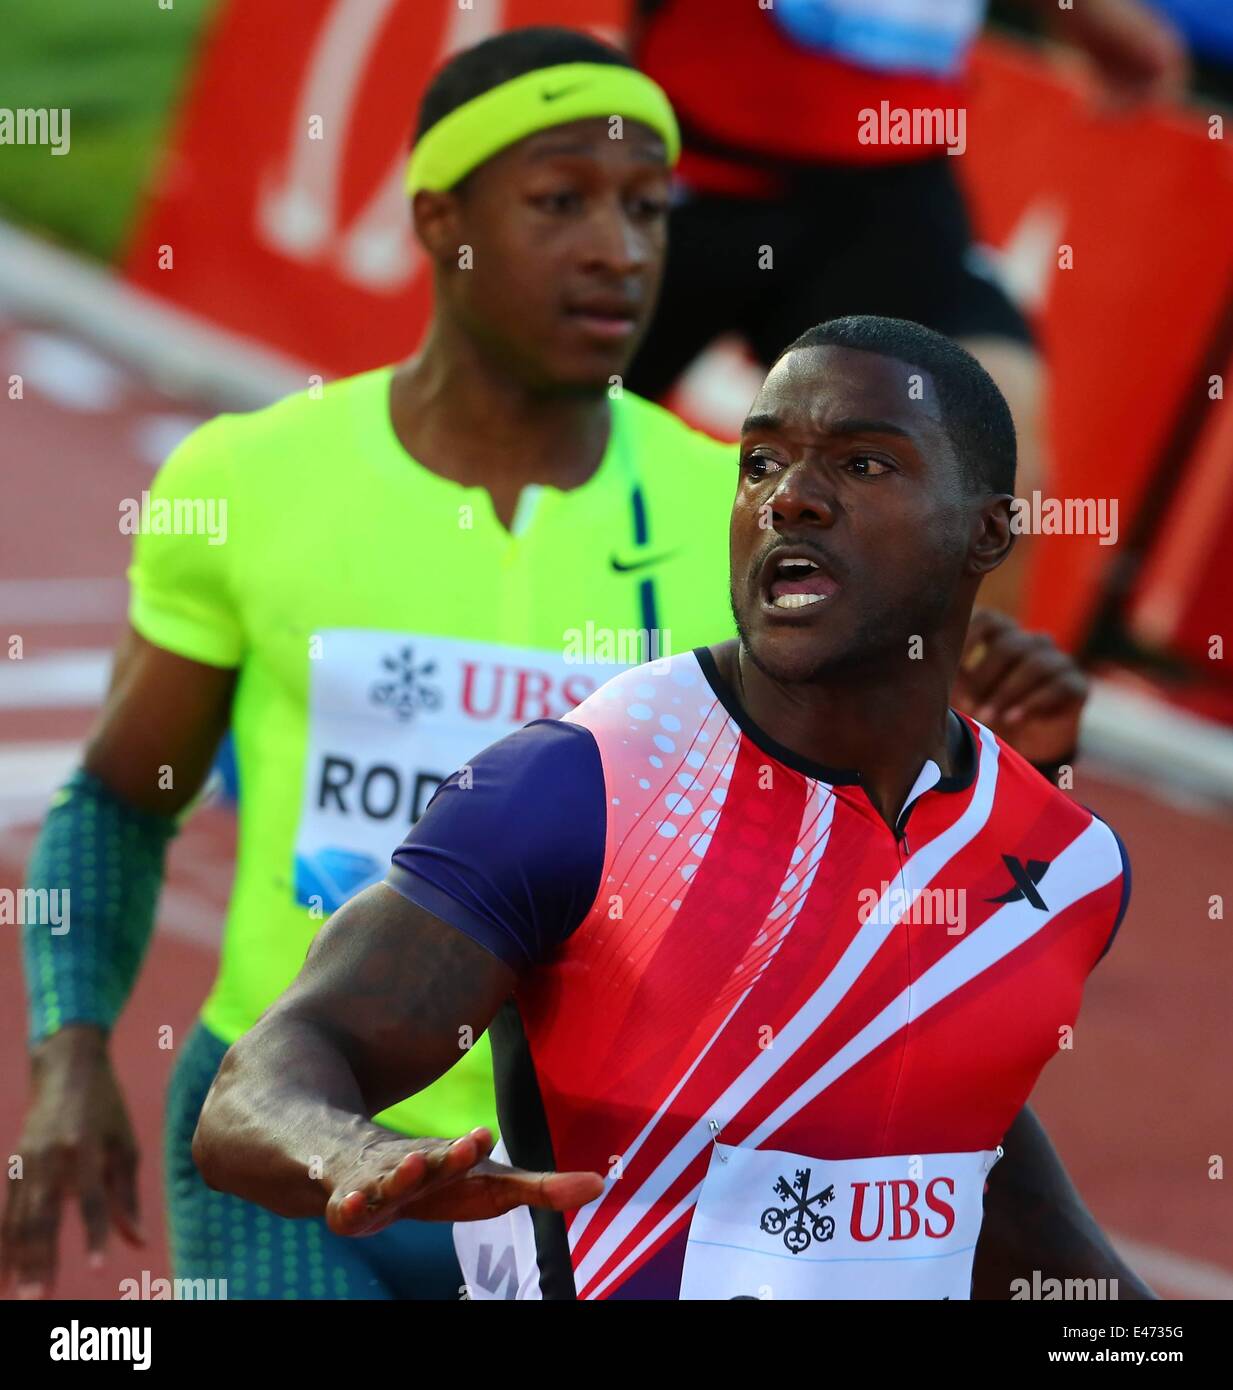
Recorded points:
(391,716)
(777,1225)
(497,1256)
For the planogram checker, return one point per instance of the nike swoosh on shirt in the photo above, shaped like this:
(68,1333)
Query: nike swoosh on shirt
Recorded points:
(623,567)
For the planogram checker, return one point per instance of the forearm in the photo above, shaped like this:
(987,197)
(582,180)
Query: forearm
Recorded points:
(93,883)
(1035,1220)
(284,1115)
(376,1014)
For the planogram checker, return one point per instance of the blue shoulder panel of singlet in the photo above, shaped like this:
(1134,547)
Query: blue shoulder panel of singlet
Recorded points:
(511,847)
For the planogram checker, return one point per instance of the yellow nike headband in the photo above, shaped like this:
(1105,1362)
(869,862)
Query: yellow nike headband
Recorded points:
(536,101)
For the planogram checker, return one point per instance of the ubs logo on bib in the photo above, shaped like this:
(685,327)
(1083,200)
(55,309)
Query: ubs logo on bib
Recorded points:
(405,688)
(803,1219)
(802,1211)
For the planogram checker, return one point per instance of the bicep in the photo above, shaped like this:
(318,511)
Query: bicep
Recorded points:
(162,711)
(399,992)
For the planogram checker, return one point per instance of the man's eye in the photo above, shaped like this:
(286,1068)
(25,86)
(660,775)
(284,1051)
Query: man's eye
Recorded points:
(867,467)
(758,466)
(562,200)
(650,208)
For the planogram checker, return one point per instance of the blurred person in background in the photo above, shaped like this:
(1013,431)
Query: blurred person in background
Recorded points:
(786,216)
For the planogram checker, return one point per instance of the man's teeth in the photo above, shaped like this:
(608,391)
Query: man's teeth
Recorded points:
(797,600)
(796,564)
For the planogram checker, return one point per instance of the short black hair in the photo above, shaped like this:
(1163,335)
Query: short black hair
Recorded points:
(974,412)
(503,57)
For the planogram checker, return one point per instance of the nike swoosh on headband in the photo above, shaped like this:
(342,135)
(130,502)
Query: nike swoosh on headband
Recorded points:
(562,91)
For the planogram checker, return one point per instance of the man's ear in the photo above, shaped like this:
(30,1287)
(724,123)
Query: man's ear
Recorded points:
(435,217)
(993,534)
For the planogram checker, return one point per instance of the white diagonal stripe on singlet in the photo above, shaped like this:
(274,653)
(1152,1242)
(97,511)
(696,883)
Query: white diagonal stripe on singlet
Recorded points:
(820,817)
(878,925)
(664,1224)
(1075,873)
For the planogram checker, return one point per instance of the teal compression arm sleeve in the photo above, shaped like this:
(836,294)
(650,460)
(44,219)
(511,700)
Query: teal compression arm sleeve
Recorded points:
(92,885)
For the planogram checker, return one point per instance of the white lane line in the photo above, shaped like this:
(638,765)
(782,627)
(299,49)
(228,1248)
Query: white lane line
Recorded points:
(191,917)
(61,601)
(67,372)
(182,354)
(29,773)
(60,680)
(1179,1273)
(156,435)
(1132,729)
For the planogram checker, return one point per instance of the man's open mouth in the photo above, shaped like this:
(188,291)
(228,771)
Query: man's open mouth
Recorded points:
(605,318)
(793,579)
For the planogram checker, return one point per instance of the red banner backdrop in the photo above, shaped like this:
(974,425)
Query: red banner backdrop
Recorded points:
(304,243)
(1146,204)
(1184,598)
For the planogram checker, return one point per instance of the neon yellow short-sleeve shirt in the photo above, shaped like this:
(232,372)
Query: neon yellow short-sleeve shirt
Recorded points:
(386,627)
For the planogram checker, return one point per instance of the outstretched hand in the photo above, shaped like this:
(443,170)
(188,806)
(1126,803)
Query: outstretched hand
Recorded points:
(398,1179)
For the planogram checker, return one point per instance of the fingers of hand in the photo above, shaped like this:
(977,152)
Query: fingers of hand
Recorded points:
(95,1206)
(983,626)
(492,1189)
(367,1203)
(509,1187)
(1000,654)
(1067,691)
(568,1191)
(444,1161)
(122,1204)
(364,1202)
(1044,669)
(32,1227)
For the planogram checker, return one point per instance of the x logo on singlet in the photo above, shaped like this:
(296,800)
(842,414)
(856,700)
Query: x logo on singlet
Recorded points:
(1026,877)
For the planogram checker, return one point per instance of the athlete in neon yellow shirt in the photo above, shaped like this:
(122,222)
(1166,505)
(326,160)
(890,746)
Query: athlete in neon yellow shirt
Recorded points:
(410,563)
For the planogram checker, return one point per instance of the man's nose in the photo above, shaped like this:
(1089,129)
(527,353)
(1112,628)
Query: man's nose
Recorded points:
(803,495)
(616,243)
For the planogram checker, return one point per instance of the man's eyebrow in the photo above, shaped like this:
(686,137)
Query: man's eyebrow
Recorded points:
(553,149)
(863,426)
(852,425)
(650,151)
